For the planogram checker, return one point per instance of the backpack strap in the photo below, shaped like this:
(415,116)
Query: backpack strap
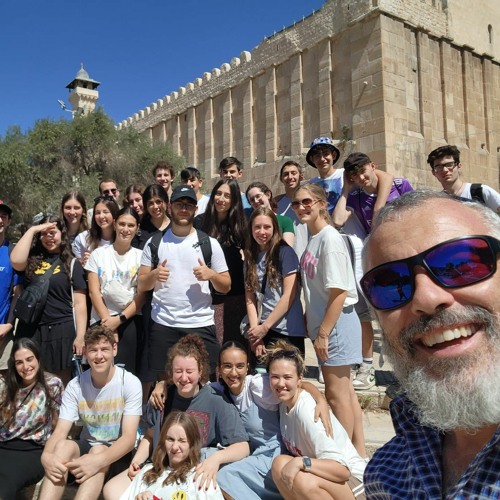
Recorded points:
(154,245)
(476,192)
(206,247)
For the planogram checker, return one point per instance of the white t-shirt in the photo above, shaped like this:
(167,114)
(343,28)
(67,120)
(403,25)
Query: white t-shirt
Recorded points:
(202,204)
(182,300)
(80,244)
(117,276)
(325,264)
(303,437)
(101,409)
(491,197)
(187,490)
(332,186)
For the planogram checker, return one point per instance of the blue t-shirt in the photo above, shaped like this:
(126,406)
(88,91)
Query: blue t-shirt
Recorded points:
(8,279)
(332,186)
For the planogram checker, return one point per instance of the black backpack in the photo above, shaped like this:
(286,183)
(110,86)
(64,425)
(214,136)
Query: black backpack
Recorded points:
(31,303)
(203,243)
(476,193)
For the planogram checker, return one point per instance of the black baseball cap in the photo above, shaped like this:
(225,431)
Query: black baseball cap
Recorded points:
(183,192)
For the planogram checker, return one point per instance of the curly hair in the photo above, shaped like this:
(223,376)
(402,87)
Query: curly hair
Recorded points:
(160,456)
(231,230)
(14,383)
(281,349)
(38,253)
(76,195)
(190,346)
(252,250)
(96,333)
(95,233)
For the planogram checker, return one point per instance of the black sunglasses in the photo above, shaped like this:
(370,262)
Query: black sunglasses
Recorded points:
(451,264)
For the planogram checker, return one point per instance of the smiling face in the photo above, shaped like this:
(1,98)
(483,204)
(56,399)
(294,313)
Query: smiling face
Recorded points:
(183,211)
(284,380)
(125,228)
(291,177)
(109,189)
(156,208)
(444,340)
(194,183)
(262,230)
(163,178)
(26,366)
(72,211)
(177,446)
(309,209)
(365,176)
(234,368)
(323,159)
(231,173)
(186,375)
(134,201)
(100,355)
(51,239)
(103,216)
(222,200)
(257,198)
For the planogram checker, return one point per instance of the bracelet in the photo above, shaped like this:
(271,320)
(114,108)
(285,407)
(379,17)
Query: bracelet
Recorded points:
(321,329)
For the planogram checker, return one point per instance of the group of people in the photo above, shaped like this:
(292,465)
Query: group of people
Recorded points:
(171,277)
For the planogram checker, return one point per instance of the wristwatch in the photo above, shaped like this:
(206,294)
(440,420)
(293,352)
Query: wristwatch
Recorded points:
(123,318)
(307,463)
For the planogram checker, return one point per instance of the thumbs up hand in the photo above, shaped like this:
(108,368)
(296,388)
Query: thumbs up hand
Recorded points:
(163,272)
(202,272)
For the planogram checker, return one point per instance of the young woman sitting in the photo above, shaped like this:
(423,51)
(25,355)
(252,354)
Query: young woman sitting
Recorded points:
(29,404)
(320,467)
(224,438)
(171,475)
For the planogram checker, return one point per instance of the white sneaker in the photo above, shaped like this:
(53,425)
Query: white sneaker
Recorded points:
(365,378)
(321,380)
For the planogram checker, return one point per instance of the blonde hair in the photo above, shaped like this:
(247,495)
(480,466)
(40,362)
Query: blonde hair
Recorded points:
(317,192)
(281,349)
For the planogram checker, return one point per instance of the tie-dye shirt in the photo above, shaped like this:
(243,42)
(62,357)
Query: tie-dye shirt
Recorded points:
(101,409)
(33,420)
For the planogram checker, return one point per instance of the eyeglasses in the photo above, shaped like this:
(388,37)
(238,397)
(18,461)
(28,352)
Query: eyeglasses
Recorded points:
(452,264)
(103,198)
(449,165)
(179,205)
(110,191)
(256,198)
(306,203)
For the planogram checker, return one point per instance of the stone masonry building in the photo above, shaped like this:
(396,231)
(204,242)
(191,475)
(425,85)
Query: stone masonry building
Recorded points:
(392,78)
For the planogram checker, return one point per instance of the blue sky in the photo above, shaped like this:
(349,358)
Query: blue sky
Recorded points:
(138,50)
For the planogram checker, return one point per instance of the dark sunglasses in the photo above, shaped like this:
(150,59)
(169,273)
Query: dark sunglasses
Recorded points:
(103,198)
(306,203)
(451,264)
(110,191)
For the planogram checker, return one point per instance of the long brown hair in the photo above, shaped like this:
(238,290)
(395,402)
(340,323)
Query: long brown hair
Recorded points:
(76,195)
(272,253)
(160,456)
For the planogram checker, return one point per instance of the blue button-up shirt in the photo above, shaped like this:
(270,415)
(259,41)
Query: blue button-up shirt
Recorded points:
(409,466)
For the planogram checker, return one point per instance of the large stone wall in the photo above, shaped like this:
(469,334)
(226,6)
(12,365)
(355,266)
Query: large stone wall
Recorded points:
(392,78)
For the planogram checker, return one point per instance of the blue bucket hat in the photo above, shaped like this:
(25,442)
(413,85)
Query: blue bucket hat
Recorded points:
(322,142)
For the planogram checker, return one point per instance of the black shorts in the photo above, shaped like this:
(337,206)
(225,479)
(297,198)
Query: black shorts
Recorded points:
(162,338)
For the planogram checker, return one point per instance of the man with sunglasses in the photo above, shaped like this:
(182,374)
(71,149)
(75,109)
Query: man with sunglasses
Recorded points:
(431,276)
(107,188)
(446,168)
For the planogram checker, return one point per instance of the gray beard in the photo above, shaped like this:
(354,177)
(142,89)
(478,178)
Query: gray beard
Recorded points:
(462,393)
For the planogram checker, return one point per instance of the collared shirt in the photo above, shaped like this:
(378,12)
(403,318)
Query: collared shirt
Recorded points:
(409,466)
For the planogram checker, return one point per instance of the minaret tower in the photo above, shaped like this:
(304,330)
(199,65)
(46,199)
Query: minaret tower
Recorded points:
(83,93)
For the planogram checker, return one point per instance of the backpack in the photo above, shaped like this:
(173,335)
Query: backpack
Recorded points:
(31,303)
(203,243)
(476,193)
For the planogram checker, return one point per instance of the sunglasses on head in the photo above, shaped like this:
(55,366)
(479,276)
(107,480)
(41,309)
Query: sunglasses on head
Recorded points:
(103,198)
(451,264)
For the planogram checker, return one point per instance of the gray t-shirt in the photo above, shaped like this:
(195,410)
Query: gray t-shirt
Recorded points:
(292,323)
(218,419)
